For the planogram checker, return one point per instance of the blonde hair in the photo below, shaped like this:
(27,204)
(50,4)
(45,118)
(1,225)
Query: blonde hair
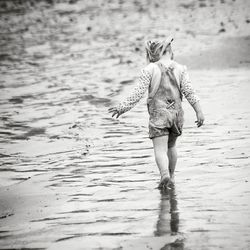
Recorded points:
(156,49)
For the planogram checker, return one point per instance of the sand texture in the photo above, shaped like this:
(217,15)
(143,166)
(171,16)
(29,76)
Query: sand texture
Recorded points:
(72,177)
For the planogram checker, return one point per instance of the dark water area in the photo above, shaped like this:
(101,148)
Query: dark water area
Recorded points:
(72,176)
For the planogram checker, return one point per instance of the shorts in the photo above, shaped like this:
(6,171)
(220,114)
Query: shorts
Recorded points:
(172,132)
(164,121)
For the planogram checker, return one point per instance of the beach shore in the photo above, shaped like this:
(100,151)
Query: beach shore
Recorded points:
(73,177)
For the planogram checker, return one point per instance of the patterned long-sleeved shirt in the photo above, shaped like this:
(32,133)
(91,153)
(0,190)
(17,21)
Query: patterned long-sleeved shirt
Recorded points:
(144,83)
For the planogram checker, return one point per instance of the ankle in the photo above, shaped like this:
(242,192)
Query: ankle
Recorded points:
(171,175)
(164,175)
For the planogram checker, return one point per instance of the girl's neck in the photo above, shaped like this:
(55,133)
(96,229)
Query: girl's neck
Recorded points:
(166,60)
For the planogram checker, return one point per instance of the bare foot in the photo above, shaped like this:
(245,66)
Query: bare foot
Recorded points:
(165,183)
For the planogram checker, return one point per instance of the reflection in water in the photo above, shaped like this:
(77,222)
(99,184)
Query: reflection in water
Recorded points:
(168,221)
(177,245)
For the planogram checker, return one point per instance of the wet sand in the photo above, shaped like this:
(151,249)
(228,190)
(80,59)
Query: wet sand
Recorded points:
(73,177)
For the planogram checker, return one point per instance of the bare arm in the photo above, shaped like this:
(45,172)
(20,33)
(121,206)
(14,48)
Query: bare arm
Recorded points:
(199,114)
(193,99)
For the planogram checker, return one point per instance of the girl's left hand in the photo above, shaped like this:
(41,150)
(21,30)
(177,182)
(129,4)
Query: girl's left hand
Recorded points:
(115,111)
(200,119)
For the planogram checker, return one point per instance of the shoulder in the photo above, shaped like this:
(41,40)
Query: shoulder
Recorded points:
(152,68)
(180,70)
(179,67)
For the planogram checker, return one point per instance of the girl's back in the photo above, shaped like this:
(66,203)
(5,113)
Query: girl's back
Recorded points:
(164,101)
(166,89)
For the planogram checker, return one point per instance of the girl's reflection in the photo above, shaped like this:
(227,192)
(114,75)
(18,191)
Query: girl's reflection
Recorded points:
(168,221)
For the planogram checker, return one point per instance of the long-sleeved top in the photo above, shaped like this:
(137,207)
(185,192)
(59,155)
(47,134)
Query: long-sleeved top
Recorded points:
(144,83)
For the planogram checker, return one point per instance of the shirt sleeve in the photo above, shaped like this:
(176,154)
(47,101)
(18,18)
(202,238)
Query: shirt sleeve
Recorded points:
(137,93)
(187,88)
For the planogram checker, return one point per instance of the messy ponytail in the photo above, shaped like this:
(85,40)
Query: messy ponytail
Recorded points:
(156,49)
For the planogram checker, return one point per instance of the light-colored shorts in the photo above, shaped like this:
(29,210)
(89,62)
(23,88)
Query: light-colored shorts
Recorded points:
(173,128)
(172,132)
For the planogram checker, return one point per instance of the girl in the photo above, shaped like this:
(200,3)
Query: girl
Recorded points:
(166,81)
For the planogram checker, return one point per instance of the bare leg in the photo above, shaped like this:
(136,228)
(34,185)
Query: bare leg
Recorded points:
(172,156)
(161,158)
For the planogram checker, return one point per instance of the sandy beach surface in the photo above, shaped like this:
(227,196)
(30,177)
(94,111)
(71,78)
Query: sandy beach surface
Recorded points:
(72,177)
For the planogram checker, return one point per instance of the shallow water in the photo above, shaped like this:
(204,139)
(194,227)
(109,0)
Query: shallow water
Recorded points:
(71,176)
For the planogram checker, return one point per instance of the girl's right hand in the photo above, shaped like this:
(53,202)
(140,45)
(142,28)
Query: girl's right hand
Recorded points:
(115,111)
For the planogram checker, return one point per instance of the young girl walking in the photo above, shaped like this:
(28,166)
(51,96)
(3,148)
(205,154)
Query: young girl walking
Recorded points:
(166,81)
